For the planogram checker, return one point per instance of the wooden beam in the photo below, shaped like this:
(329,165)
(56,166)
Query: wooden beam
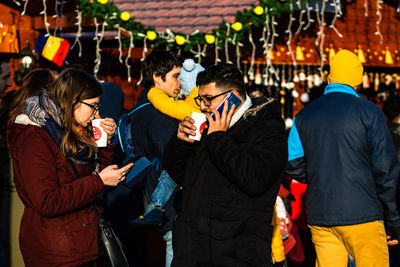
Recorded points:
(67,22)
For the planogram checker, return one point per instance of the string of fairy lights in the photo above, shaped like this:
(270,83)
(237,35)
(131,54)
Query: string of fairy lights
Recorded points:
(78,23)
(264,14)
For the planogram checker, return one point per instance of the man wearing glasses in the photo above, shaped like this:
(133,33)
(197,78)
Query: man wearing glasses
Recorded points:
(230,178)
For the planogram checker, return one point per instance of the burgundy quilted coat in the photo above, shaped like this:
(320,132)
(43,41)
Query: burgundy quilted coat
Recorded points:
(58,226)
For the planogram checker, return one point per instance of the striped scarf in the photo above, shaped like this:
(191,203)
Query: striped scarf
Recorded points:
(43,111)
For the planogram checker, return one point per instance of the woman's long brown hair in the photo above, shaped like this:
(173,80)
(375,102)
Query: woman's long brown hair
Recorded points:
(32,85)
(70,87)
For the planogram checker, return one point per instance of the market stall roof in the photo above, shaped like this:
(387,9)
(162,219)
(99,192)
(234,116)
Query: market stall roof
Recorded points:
(184,16)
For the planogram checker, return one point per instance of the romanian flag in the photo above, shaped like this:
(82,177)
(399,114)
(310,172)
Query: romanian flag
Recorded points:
(52,48)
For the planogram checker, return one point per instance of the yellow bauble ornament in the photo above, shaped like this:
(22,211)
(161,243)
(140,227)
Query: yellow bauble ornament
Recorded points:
(210,39)
(258,10)
(151,35)
(180,40)
(237,26)
(103,2)
(125,16)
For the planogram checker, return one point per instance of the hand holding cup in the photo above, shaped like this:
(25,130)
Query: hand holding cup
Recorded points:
(200,124)
(109,126)
(103,131)
(186,129)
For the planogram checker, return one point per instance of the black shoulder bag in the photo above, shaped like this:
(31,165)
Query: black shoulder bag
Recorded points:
(108,240)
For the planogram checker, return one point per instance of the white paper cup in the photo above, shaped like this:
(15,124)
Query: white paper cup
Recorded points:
(199,121)
(100,136)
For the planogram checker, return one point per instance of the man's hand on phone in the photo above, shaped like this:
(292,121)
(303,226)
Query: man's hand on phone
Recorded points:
(186,128)
(221,122)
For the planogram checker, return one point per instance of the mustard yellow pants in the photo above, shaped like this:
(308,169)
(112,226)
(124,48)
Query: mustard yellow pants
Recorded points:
(365,242)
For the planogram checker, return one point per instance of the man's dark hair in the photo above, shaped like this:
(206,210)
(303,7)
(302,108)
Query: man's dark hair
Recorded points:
(159,62)
(225,76)
(4,59)
(391,107)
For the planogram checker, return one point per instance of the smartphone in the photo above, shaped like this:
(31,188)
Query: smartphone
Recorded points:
(232,99)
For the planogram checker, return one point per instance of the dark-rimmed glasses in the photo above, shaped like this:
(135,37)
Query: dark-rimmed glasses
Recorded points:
(93,107)
(206,100)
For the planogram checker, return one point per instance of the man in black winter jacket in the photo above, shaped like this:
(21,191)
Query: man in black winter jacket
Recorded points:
(230,178)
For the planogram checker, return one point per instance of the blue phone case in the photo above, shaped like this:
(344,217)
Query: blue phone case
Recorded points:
(232,99)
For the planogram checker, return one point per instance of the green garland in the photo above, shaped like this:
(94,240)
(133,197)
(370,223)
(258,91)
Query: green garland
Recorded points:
(109,13)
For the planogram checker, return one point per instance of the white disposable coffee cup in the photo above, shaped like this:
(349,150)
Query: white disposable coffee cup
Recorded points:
(200,122)
(100,136)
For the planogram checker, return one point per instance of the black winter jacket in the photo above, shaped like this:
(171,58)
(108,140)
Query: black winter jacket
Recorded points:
(230,183)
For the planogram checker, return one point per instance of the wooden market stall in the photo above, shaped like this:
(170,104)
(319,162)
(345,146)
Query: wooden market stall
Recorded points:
(282,54)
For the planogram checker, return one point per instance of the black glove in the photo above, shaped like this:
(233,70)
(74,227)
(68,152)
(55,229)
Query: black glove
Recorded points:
(394,232)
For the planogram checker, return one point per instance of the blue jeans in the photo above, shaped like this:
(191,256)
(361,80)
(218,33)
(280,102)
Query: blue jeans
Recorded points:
(169,253)
(163,191)
(159,198)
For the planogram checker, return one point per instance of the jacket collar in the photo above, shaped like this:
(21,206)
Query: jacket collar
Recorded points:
(239,113)
(340,88)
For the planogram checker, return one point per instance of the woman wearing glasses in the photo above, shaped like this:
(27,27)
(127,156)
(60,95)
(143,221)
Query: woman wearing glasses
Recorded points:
(47,141)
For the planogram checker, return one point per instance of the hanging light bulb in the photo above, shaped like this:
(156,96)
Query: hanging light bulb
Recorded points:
(258,79)
(317,80)
(299,54)
(245,77)
(388,79)
(271,81)
(265,81)
(305,98)
(376,82)
(388,56)
(310,81)
(295,94)
(397,82)
(296,78)
(302,75)
(270,54)
(251,74)
(366,83)
(331,51)
(361,54)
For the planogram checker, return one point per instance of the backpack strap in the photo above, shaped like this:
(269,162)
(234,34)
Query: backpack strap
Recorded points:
(117,133)
(139,107)
(155,162)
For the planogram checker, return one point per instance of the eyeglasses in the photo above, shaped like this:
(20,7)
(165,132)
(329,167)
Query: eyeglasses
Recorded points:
(94,107)
(206,100)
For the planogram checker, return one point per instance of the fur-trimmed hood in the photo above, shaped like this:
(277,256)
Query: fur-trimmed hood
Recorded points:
(258,106)
(262,109)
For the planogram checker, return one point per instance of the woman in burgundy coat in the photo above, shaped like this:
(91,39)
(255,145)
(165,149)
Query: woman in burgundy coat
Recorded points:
(59,226)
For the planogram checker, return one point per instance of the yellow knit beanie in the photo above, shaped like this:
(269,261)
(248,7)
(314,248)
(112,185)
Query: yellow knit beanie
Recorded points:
(345,68)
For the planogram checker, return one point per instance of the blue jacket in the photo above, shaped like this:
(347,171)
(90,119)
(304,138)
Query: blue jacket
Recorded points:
(341,147)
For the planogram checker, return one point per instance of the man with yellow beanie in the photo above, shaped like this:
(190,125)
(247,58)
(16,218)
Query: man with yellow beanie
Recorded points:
(341,147)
